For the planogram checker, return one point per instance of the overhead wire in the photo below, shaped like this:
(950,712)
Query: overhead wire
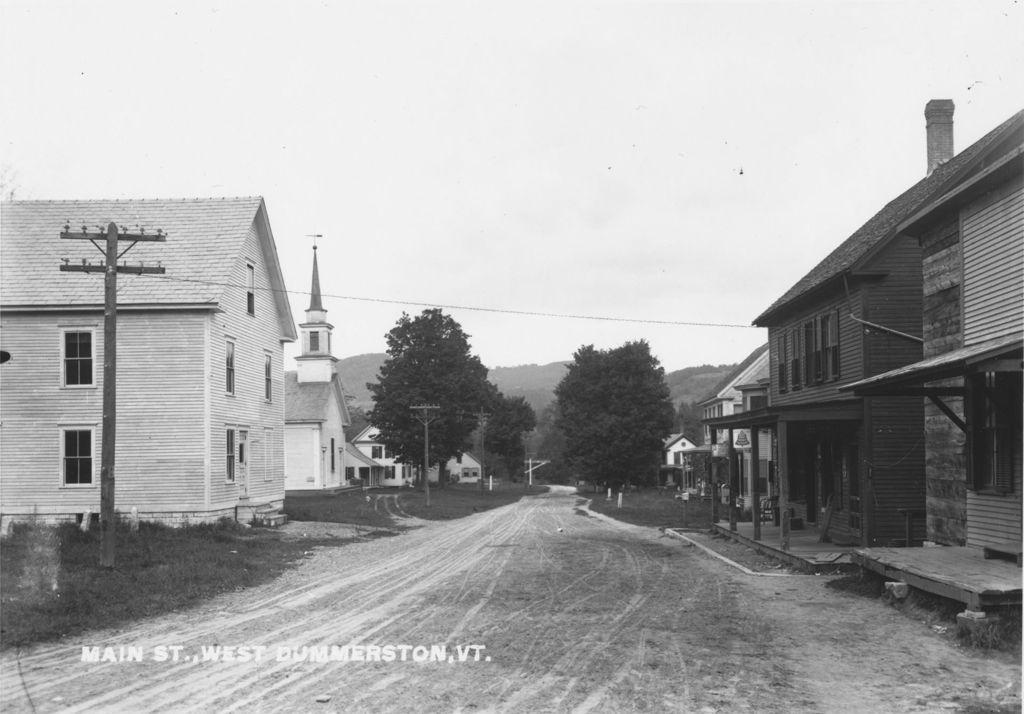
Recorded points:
(417,303)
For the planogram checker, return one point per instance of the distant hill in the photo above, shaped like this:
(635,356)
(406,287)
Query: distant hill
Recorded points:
(693,384)
(535,383)
(356,372)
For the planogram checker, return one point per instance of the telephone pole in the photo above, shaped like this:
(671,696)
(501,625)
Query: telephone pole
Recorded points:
(110,269)
(427,414)
(482,418)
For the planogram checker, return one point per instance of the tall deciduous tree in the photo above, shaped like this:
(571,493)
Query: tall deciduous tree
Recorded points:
(615,411)
(429,362)
(510,420)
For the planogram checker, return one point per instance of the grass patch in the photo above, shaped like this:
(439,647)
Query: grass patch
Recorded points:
(355,507)
(383,508)
(53,584)
(656,509)
(937,612)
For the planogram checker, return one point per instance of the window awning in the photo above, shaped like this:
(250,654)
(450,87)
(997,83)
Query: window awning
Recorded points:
(999,354)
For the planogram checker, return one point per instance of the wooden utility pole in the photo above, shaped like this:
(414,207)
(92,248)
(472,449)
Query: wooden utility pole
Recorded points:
(482,418)
(427,414)
(110,269)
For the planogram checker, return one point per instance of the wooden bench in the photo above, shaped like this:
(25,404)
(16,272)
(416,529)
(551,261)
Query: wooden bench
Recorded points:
(1010,550)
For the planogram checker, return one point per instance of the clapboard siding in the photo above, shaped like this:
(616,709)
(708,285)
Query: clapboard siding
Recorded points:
(172,409)
(254,337)
(896,303)
(159,462)
(302,445)
(993,265)
(896,465)
(850,354)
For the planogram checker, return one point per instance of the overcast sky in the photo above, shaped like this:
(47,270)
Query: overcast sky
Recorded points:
(652,162)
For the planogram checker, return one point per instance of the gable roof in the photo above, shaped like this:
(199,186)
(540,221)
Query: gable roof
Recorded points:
(749,370)
(365,434)
(673,439)
(883,225)
(360,457)
(204,240)
(310,401)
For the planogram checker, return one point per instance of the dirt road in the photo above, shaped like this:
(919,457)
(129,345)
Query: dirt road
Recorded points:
(539,607)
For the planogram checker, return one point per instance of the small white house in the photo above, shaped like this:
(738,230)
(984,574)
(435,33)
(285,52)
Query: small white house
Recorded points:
(392,473)
(463,469)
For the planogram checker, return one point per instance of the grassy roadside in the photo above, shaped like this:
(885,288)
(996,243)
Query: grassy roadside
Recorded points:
(53,585)
(383,507)
(655,509)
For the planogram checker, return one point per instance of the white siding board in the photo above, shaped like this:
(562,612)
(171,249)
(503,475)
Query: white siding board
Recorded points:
(993,245)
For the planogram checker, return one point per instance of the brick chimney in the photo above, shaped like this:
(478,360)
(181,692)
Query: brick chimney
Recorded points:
(938,114)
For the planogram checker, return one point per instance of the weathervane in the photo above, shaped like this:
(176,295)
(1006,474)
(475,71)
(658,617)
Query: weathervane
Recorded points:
(314,236)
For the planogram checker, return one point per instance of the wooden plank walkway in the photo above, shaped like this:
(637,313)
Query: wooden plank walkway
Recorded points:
(805,551)
(957,573)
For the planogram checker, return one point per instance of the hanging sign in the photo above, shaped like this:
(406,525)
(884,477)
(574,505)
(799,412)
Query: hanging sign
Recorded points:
(741,438)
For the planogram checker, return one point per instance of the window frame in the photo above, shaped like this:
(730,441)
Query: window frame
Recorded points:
(230,440)
(796,373)
(250,289)
(268,380)
(831,346)
(314,334)
(91,430)
(782,359)
(229,367)
(994,426)
(64,332)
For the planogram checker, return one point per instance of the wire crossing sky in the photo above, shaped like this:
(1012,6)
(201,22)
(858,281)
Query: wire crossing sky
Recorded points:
(610,171)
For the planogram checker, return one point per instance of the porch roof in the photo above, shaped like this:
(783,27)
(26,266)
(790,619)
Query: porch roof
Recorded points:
(360,457)
(845,410)
(908,380)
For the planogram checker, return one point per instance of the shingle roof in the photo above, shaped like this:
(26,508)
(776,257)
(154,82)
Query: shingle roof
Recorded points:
(310,401)
(359,456)
(883,224)
(205,237)
(750,369)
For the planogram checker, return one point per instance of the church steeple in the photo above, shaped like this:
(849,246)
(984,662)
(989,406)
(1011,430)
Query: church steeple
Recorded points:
(314,290)
(316,363)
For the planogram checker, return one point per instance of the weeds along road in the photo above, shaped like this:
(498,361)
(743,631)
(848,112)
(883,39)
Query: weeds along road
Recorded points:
(574,612)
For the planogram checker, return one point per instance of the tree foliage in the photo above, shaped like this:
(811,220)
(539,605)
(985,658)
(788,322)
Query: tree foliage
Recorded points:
(615,412)
(429,362)
(511,418)
(689,422)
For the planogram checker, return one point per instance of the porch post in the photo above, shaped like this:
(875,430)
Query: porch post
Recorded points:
(755,487)
(782,474)
(712,471)
(734,483)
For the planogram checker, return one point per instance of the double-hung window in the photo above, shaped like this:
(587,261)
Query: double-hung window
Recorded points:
(77,456)
(995,423)
(797,344)
(250,289)
(782,359)
(229,367)
(77,357)
(268,384)
(229,454)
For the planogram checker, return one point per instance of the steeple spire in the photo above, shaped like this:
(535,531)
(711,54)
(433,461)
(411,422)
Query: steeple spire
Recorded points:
(314,291)
(316,363)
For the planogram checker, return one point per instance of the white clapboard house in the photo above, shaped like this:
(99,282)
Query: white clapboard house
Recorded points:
(200,389)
